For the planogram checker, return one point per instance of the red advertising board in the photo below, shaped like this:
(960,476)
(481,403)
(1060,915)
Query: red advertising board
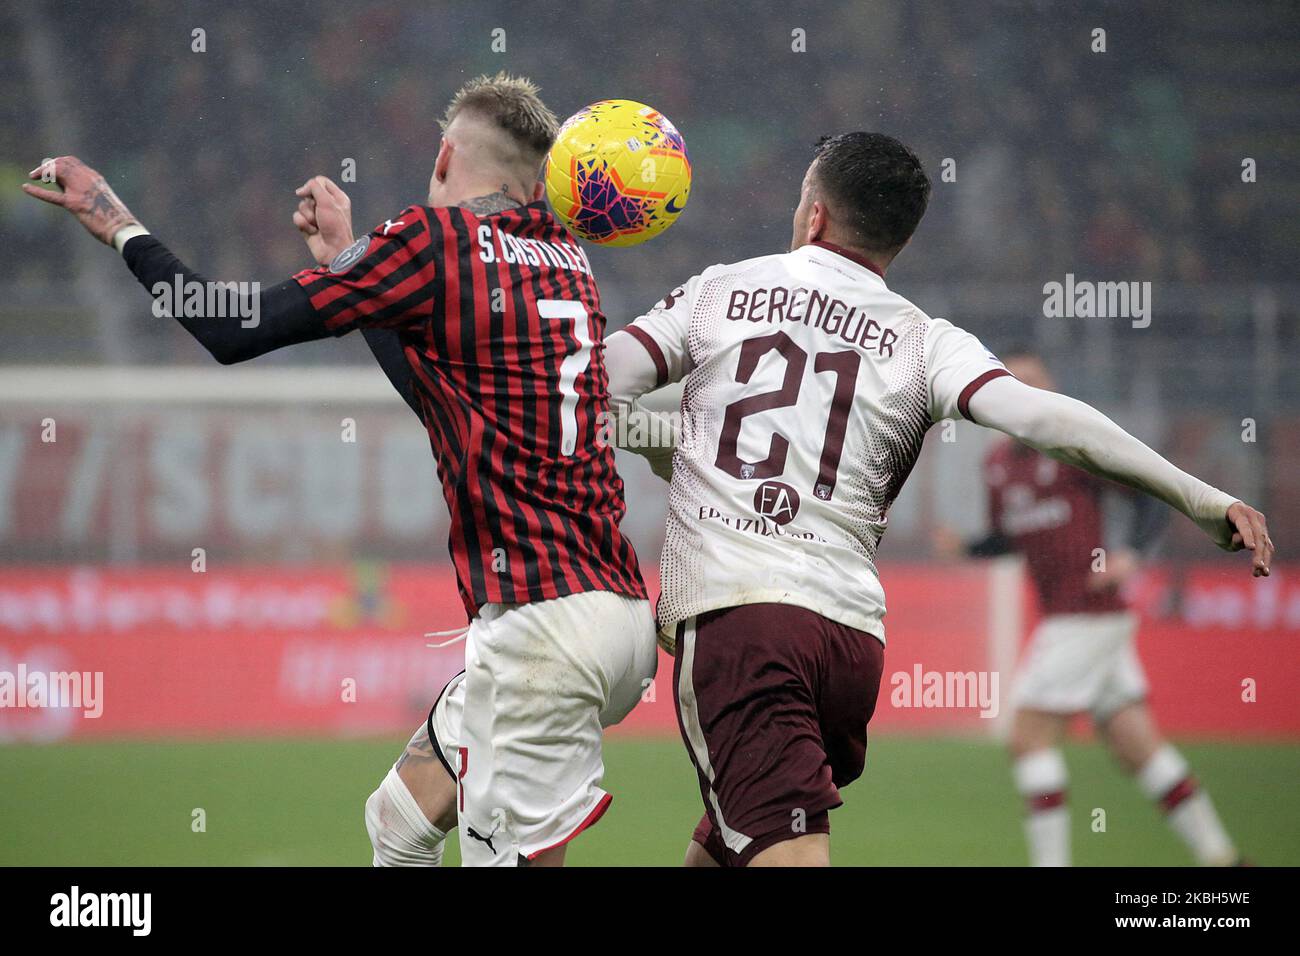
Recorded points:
(340,649)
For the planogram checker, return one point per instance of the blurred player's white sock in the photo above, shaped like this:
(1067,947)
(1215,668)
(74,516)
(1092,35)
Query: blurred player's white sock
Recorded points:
(399,831)
(1165,778)
(1041,779)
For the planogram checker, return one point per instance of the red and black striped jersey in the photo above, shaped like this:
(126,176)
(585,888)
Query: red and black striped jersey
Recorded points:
(499,319)
(1052,514)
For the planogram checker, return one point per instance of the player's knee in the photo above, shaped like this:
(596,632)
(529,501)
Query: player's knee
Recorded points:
(1020,743)
(1041,772)
(399,832)
(1031,732)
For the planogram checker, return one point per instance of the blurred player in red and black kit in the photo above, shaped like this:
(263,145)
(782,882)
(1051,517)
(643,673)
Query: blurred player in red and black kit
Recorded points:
(484,313)
(1081,656)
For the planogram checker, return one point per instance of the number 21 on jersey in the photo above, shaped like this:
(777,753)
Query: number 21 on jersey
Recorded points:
(842,365)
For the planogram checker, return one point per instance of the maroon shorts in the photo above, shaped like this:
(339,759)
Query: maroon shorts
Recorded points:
(773,702)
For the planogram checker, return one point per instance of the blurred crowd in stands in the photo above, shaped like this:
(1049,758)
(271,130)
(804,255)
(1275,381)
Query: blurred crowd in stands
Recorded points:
(1117,165)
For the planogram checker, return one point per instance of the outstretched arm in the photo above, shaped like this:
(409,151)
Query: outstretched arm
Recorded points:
(1079,435)
(385,280)
(279,316)
(230,324)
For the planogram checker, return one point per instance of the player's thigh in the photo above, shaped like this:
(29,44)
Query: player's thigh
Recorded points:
(706,848)
(1125,684)
(698,857)
(596,647)
(1066,666)
(748,712)
(811,849)
(538,678)
(631,661)
(546,859)
(847,689)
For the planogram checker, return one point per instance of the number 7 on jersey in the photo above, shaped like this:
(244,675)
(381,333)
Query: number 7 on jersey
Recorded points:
(574,364)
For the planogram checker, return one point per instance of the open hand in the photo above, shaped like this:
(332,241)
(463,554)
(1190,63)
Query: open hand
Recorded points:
(85,194)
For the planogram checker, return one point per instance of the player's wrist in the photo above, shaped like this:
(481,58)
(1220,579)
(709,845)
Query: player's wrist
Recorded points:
(125,234)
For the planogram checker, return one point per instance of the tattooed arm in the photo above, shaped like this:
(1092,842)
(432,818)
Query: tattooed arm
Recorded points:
(282,315)
(85,194)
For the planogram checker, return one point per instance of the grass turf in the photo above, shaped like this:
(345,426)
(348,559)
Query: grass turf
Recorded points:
(921,801)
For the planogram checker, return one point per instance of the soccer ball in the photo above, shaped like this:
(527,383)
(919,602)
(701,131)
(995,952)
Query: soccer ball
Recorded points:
(618,173)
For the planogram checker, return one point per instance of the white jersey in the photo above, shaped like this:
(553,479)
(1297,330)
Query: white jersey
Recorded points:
(809,386)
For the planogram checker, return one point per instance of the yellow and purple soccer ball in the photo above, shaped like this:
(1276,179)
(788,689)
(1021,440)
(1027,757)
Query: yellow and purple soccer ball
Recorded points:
(618,173)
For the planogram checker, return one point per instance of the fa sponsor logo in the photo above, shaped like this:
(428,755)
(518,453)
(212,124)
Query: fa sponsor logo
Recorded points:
(776,500)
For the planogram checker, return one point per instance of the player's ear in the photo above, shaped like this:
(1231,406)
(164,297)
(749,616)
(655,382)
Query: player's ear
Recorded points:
(818,220)
(443,161)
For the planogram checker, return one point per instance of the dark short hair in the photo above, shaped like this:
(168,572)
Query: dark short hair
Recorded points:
(875,185)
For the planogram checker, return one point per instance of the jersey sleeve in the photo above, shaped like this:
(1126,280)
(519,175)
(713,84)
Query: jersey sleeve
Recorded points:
(283,314)
(956,365)
(664,332)
(383,280)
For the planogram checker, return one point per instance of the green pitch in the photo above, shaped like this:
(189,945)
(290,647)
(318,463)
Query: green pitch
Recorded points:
(299,802)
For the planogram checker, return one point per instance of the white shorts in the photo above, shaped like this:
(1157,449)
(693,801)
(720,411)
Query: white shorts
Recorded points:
(521,727)
(1081,662)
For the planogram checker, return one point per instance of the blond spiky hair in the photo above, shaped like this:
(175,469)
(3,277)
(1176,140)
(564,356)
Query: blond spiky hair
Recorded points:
(513,104)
